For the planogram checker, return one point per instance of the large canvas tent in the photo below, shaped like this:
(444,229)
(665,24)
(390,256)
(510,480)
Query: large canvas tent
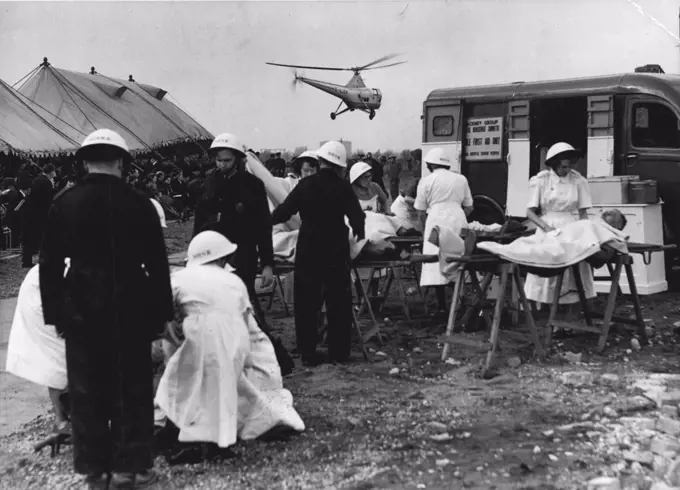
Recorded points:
(83,102)
(23,130)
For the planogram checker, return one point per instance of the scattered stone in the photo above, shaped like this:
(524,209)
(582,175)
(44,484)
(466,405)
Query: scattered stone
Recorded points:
(514,362)
(552,457)
(610,412)
(548,433)
(441,437)
(417,350)
(604,483)
(662,486)
(673,473)
(641,423)
(664,445)
(353,420)
(669,410)
(671,398)
(442,462)
(577,378)
(573,357)
(437,427)
(668,426)
(635,404)
(635,344)
(577,427)
(610,379)
(394,371)
(452,361)
(650,331)
(537,449)
(643,457)
(418,395)
(380,354)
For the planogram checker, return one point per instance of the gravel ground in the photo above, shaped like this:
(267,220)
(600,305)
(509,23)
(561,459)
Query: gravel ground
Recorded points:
(406,420)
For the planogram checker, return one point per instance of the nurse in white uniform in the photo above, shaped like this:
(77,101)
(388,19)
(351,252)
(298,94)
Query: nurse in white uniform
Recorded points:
(557,196)
(446,198)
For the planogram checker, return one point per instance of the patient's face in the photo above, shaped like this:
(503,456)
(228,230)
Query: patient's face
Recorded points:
(410,201)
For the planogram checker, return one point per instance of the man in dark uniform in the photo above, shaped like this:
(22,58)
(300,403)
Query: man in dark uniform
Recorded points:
(109,302)
(35,211)
(234,203)
(322,271)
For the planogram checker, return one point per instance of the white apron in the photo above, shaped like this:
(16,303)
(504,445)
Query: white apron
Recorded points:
(541,289)
(445,215)
(35,352)
(223,382)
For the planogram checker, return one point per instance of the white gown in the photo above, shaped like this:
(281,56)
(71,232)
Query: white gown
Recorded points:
(223,382)
(559,199)
(35,352)
(442,194)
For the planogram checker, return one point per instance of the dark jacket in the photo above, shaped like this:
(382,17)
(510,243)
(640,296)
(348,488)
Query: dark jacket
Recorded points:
(237,207)
(323,200)
(118,277)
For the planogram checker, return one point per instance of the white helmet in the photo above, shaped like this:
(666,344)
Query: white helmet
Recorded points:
(159,210)
(333,152)
(208,246)
(357,170)
(436,156)
(228,141)
(104,137)
(307,154)
(558,149)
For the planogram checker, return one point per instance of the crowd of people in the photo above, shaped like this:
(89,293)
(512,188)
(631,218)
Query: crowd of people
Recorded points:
(103,273)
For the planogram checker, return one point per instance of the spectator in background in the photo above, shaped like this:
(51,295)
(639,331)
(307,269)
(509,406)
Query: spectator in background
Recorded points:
(10,197)
(36,209)
(394,174)
(377,173)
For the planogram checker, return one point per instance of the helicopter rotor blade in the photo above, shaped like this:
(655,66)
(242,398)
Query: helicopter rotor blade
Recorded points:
(379,60)
(311,67)
(385,66)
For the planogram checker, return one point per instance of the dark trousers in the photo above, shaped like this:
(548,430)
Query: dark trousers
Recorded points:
(316,283)
(111,396)
(394,189)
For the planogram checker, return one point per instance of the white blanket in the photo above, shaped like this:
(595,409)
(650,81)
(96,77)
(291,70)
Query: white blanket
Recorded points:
(223,382)
(378,227)
(562,247)
(35,352)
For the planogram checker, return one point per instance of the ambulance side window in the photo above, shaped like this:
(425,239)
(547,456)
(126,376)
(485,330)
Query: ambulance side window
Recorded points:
(442,126)
(654,125)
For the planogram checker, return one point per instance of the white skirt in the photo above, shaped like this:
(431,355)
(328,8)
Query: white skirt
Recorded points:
(452,217)
(35,352)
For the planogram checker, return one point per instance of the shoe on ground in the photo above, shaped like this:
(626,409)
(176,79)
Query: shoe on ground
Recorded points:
(134,480)
(313,360)
(98,482)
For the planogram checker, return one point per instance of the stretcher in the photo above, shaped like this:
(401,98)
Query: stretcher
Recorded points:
(487,265)
(616,264)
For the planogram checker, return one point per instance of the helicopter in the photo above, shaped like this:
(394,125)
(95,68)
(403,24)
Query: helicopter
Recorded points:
(355,95)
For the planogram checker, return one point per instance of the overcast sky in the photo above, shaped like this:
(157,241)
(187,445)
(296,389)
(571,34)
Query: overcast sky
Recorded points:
(210,56)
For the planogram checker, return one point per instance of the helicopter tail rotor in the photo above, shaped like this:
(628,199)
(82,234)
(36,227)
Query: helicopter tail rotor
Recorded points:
(296,79)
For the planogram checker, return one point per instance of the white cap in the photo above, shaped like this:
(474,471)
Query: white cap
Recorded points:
(558,149)
(333,152)
(307,154)
(104,137)
(357,170)
(437,156)
(159,210)
(228,141)
(208,246)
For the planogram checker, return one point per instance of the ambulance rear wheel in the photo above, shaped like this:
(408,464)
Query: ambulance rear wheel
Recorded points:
(333,116)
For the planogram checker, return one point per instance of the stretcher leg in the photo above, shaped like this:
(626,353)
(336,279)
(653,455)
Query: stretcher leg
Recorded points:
(527,312)
(480,292)
(609,309)
(363,295)
(636,302)
(553,308)
(576,269)
(396,273)
(452,312)
(498,310)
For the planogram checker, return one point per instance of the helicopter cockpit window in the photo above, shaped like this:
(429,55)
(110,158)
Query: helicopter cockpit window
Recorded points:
(376,91)
(442,125)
